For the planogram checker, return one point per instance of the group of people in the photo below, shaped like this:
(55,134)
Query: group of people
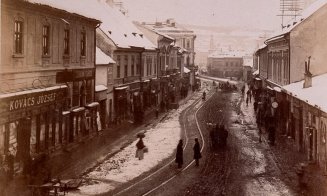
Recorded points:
(265,118)
(196,153)
(218,136)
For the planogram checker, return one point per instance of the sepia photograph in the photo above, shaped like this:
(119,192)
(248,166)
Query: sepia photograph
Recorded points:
(163,98)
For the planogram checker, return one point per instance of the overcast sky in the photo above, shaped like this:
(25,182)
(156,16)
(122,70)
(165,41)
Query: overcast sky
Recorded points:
(249,13)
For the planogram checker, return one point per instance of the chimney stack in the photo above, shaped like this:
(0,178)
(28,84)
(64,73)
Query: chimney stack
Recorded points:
(307,75)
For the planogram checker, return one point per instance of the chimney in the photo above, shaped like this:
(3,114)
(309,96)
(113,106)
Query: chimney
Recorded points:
(307,75)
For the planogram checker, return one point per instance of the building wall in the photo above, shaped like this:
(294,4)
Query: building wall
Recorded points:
(31,68)
(149,64)
(278,61)
(309,39)
(225,67)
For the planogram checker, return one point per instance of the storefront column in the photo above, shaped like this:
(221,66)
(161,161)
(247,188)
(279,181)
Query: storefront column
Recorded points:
(37,135)
(53,132)
(46,135)
(7,137)
(71,127)
(60,126)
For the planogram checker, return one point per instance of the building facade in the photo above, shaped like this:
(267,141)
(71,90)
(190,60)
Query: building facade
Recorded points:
(47,78)
(225,66)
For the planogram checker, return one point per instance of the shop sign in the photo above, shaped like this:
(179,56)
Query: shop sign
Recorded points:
(28,101)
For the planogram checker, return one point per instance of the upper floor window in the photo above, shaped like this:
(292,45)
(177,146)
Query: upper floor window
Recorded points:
(118,66)
(188,44)
(18,37)
(66,42)
(83,44)
(45,40)
(133,65)
(126,66)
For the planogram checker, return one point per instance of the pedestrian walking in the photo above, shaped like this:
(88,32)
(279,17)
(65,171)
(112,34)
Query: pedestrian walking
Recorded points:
(248,95)
(247,100)
(157,113)
(271,135)
(197,152)
(179,154)
(140,149)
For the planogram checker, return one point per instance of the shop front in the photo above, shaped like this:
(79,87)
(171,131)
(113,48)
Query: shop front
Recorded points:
(31,122)
(120,103)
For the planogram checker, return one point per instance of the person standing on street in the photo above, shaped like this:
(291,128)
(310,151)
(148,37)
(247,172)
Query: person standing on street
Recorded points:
(197,152)
(139,149)
(179,154)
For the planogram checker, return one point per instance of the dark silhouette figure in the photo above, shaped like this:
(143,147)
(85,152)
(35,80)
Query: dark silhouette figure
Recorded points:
(179,154)
(197,152)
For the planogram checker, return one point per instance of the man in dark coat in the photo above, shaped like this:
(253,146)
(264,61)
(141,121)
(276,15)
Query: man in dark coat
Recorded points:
(179,154)
(197,152)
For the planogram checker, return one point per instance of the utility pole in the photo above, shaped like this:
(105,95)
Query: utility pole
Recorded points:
(290,8)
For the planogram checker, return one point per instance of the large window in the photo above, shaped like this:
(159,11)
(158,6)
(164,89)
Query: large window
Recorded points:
(118,66)
(45,40)
(18,37)
(138,65)
(126,66)
(66,42)
(133,65)
(83,44)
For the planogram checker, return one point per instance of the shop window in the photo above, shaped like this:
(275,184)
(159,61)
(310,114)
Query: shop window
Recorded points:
(75,100)
(66,42)
(18,37)
(89,91)
(83,44)
(46,40)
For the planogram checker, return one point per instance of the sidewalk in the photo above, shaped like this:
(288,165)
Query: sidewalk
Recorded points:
(83,156)
(288,158)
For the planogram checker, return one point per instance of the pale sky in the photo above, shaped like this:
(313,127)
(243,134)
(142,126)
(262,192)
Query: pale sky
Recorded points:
(246,13)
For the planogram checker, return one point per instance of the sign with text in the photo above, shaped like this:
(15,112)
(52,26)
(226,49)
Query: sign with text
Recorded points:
(30,100)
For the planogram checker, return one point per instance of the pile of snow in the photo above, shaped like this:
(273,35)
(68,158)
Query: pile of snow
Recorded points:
(124,166)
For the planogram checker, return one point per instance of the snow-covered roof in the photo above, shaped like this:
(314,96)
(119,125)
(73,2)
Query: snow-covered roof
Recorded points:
(315,95)
(101,58)
(118,27)
(315,6)
(248,61)
(231,54)
(80,7)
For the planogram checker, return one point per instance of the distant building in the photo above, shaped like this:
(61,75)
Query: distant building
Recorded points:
(225,65)
(184,38)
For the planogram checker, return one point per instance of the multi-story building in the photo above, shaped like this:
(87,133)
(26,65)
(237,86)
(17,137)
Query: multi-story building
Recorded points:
(104,87)
(299,49)
(225,65)
(47,76)
(135,57)
(184,39)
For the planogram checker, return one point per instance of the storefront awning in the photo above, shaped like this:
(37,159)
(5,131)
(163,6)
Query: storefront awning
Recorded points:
(100,87)
(186,70)
(93,104)
(121,88)
(78,109)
